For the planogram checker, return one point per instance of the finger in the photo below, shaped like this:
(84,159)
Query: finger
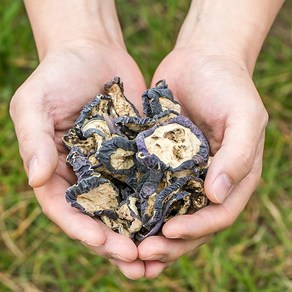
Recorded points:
(81,227)
(133,270)
(116,246)
(35,132)
(213,217)
(154,268)
(233,161)
(75,224)
(162,249)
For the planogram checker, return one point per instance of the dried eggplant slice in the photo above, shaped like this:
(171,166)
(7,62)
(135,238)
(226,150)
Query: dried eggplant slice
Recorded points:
(118,155)
(155,205)
(175,205)
(87,145)
(196,187)
(94,196)
(131,126)
(176,145)
(129,212)
(158,99)
(121,106)
(80,164)
(96,123)
(97,107)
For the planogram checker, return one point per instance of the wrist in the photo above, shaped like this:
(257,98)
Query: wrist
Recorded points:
(58,23)
(235,30)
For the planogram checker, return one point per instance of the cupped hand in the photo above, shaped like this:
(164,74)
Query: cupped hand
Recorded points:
(44,108)
(218,95)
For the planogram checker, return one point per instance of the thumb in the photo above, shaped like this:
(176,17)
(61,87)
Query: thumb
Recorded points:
(35,134)
(233,161)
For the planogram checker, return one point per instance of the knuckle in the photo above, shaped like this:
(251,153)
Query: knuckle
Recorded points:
(246,159)
(228,218)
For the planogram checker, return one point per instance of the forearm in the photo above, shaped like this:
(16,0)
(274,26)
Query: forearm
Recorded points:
(55,22)
(235,28)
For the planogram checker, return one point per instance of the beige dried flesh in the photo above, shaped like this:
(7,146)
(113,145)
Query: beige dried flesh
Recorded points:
(121,105)
(167,104)
(97,124)
(122,159)
(103,197)
(173,144)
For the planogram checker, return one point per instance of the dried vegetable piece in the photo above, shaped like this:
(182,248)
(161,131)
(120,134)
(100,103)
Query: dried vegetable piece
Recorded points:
(176,145)
(97,107)
(86,145)
(94,196)
(159,99)
(132,126)
(121,106)
(136,173)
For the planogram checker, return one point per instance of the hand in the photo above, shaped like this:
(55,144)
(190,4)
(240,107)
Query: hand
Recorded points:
(218,95)
(44,108)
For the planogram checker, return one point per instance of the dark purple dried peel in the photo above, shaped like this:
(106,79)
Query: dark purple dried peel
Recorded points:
(158,99)
(121,106)
(80,164)
(136,173)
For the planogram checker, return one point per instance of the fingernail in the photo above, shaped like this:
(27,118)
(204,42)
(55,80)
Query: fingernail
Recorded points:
(221,187)
(32,170)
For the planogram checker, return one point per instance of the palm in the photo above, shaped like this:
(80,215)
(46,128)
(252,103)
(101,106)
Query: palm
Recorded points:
(217,93)
(55,93)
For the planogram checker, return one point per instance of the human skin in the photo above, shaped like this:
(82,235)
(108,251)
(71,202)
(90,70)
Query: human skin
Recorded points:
(80,46)
(210,72)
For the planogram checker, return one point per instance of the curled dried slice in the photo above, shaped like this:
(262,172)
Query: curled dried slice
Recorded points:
(154,207)
(87,145)
(131,126)
(118,155)
(178,203)
(94,196)
(97,107)
(159,99)
(80,164)
(121,106)
(96,125)
(175,145)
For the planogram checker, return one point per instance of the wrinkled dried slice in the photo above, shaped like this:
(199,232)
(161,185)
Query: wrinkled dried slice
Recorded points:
(94,124)
(86,145)
(131,126)
(158,99)
(149,183)
(118,155)
(155,204)
(175,145)
(80,164)
(196,187)
(128,211)
(97,107)
(177,204)
(128,221)
(94,196)
(121,106)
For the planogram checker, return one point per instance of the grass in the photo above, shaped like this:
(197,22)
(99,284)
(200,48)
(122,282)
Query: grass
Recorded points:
(253,255)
